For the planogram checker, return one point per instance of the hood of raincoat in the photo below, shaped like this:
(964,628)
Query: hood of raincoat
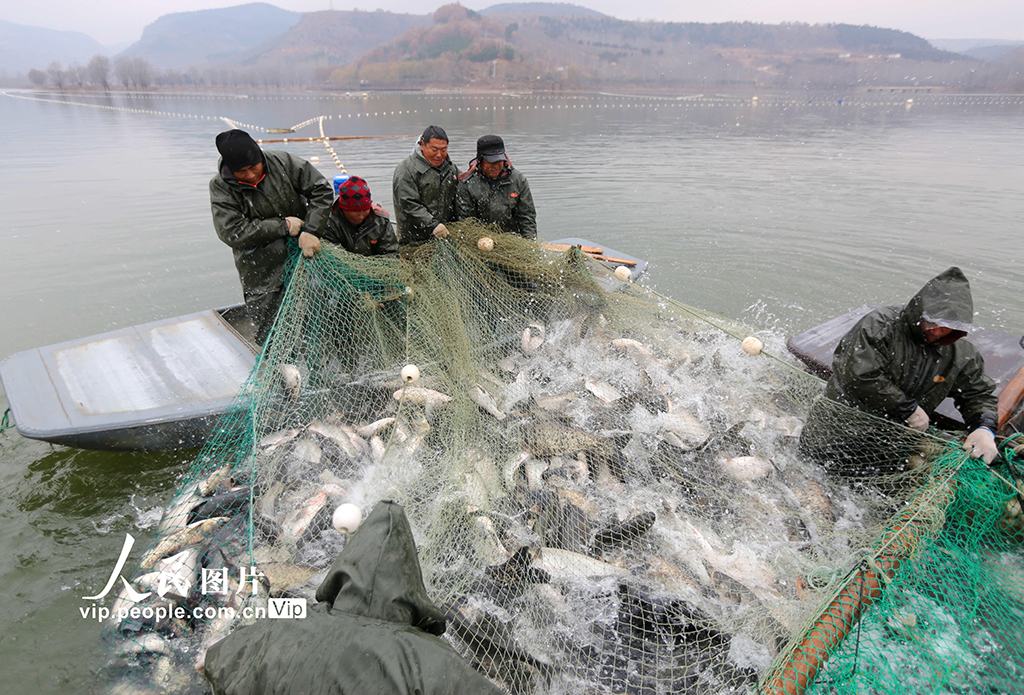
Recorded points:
(944,300)
(378,574)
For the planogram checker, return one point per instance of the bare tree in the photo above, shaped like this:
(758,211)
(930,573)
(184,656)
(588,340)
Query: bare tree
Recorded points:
(142,73)
(57,75)
(99,71)
(76,74)
(122,70)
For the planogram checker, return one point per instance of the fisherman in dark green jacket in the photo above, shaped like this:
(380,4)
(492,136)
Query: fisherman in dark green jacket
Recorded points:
(424,189)
(373,630)
(357,224)
(900,363)
(259,199)
(492,190)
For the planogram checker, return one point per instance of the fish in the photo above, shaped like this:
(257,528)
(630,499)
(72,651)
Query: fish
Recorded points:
(377,427)
(545,439)
(235,501)
(604,391)
(284,576)
(175,517)
(622,533)
(299,521)
(290,379)
(217,480)
(744,469)
(190,535)
(685,430)
(533,338)
(568,567)
(483,399)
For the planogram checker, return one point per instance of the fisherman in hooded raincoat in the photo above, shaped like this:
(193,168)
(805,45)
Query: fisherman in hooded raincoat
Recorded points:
(900,363)
(373,630)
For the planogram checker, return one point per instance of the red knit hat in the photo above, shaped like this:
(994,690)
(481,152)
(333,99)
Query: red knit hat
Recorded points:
(353,194)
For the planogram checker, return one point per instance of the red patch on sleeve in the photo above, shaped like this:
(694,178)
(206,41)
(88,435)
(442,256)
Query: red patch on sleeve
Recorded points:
(513,195)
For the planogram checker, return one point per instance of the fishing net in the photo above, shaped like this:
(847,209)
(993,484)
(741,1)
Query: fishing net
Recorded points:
(608,492)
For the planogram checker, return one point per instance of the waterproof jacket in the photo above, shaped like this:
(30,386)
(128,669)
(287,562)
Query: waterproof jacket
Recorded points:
(883,365)
(505,201)
(250,219)
(373,630)
(375,236)
(424,196)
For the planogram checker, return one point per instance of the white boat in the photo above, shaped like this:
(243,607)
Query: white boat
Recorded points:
(153,387)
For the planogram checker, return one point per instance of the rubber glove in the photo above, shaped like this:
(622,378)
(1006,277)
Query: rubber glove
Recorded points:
(294,225)
(378,210)
(440,231)
(309,244)
(981,443)
(918,420)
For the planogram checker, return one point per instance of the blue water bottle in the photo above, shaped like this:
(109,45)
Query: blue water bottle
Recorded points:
(338,180)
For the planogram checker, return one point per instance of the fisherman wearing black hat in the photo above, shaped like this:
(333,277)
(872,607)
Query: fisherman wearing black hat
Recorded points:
(424,189)
(260,198)
(492,190)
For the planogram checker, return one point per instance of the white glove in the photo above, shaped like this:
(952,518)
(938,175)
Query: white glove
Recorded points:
(309,244)
(440,231)
(294,225)
(981,443)
(918,420)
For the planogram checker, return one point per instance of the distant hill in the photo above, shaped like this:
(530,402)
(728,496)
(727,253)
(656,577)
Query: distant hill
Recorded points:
(574,51)
(982,49)
(546,9)
(23,47)
(329,38)
(206,37)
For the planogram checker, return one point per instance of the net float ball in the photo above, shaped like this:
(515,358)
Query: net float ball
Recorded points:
(485,243)
(314,159)
(410,373)
(623,273)
(347,517)
(752,346)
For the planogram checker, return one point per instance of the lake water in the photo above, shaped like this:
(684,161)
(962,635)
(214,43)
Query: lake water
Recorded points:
(778,211)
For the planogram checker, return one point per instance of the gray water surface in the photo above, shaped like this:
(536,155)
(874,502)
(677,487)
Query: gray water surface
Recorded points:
(781,214)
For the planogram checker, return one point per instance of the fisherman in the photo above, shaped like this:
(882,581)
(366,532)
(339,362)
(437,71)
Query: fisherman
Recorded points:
(492,190)
(900,363)
(424,189)
(372,630)
(260,198)
(357,223)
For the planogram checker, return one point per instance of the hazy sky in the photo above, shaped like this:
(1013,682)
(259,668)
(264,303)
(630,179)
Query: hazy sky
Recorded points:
(118,21)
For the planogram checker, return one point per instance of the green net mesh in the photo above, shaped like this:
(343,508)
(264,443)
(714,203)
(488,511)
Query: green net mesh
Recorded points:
(609,495)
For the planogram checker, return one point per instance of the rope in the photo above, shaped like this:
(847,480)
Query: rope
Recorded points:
(6,423)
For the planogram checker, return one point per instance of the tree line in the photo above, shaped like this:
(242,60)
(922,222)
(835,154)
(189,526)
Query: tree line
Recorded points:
(138,74)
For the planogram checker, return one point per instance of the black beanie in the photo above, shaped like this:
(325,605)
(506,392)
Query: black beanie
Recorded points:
(238,149)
